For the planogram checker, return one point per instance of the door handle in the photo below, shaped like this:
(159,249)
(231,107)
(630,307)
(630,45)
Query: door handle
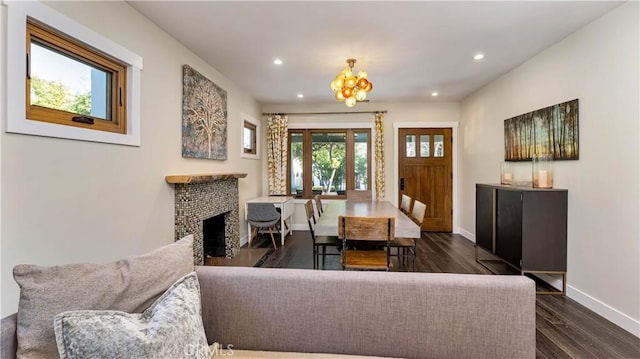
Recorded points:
(402,184)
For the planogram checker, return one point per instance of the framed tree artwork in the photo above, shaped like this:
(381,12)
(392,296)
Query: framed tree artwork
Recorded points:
(204,117)
(551,130)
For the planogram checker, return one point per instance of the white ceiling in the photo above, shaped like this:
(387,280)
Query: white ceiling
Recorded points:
(410,49)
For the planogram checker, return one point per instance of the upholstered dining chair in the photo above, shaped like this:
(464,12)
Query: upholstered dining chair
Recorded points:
(406,247)
(319,242)
(358,195)
(405,204)
(262,216)
(366,229)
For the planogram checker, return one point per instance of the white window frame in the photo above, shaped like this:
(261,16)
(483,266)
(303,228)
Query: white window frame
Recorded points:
(246,118)
(17,13)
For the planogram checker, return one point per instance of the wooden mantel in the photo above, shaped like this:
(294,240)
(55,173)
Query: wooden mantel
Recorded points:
(202,178)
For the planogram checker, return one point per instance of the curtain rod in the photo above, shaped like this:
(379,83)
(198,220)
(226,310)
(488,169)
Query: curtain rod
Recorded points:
(319,113)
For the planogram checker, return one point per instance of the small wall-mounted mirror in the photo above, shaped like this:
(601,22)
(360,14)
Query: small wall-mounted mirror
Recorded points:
(250,137)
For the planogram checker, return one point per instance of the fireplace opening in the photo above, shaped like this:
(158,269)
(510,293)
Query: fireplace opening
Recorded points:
(213,236)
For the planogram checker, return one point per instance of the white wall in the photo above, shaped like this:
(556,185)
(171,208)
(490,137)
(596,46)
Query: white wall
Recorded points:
(69,201)
(599,65)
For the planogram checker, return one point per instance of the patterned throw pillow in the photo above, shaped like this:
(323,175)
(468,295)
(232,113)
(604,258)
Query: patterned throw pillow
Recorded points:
(170,328)
(129,285)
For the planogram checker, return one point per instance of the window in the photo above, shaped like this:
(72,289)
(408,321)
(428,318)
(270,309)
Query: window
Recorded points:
(71,84)
(328,161)
(91,94)
(250,139)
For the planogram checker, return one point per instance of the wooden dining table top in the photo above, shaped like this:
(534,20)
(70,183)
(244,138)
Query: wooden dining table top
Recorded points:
(328,223)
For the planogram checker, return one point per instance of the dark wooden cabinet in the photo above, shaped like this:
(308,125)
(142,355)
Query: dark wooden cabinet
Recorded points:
(525,227)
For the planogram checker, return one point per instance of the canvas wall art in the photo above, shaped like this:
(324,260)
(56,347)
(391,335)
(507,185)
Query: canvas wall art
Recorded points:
(551,130)
(204,117)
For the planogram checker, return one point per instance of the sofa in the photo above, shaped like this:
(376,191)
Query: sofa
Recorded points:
(265,312)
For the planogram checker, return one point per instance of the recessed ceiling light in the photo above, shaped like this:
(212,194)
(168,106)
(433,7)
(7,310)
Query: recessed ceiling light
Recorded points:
(434,94)
(277,62)
(478,57)
(300,95)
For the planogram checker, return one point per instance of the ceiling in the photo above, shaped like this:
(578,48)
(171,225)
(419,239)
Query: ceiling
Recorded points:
(410,49)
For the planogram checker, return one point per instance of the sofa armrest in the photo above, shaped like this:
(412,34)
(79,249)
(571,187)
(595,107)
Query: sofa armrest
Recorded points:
(8,338)
(409,315)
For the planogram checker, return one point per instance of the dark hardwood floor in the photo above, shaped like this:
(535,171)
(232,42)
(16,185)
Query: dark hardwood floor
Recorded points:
(564,328)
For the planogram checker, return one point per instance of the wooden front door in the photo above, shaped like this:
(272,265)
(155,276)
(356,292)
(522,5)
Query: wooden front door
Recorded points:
(424,164)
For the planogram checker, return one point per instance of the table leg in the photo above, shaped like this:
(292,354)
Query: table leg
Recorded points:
(283,230)
(248,233)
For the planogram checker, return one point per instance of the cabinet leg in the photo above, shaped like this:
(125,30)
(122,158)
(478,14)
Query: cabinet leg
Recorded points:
(564,282)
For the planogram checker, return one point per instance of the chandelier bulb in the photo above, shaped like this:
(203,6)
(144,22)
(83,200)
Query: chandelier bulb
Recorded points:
(350,82)
(347,92)
(350,102)
(363,83)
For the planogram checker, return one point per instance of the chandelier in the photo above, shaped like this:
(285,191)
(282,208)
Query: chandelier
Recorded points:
(350,88)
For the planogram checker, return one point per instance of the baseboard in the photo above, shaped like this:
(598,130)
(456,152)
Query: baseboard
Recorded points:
(300,227)
(466,234)
(611,314)
(244,240)
(604,310)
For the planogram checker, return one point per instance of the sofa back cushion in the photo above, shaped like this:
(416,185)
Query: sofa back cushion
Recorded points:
(129,285)
(389,314)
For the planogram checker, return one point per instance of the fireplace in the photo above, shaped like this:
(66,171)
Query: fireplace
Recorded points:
(201,197)
(213,236)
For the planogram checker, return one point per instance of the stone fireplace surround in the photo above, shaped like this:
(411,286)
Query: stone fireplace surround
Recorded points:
(202,196)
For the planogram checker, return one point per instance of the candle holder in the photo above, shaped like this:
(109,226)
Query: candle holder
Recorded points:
(542,171)
(506,175)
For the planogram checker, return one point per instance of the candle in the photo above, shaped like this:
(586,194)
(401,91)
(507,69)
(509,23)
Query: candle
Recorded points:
(543,181)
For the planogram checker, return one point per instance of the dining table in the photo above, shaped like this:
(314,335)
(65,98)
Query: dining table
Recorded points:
(328,222)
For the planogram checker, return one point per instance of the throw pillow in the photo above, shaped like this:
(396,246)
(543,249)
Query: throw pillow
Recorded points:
(129,285)
(170,328)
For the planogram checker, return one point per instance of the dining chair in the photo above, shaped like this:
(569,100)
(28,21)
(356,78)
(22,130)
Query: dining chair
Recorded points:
(261,216)
(318,205)
(356,229)
(319,242)
(405,204)
(408,245)
(358,195)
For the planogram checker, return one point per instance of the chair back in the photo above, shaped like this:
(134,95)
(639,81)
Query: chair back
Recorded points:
(308,208)
(358,195)
(419,211)
(356,228)
(318,205)
(262,212)
(405,204)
